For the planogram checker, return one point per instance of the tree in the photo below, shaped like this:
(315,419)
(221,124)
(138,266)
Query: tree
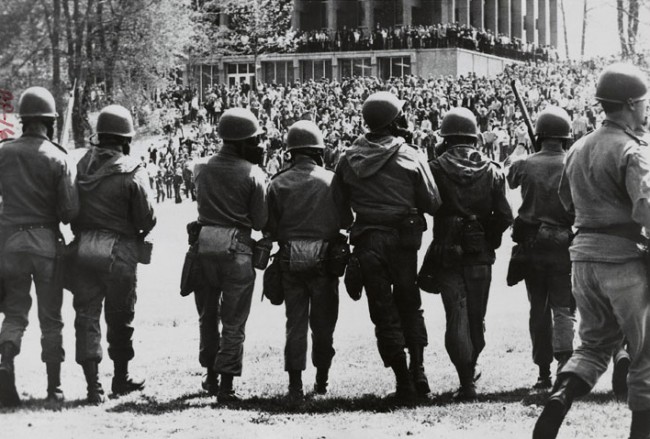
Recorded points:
(627,15)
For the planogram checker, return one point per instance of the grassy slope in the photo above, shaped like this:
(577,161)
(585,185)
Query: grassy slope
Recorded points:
(173,404)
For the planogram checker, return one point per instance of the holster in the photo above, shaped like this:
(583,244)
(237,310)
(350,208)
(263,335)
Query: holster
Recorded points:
(519,265)
(354,277)
(338,255)
(272,285)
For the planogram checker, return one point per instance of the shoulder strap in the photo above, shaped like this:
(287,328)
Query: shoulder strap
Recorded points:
(62,149)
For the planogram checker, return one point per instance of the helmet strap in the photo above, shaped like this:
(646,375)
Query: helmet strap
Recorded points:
(312,153)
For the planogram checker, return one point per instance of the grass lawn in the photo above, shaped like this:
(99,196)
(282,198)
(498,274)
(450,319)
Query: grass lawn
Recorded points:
(174,405)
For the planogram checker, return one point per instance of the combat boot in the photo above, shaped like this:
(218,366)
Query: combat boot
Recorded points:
(405,392)
(54,392)
(416,368)
(95,391)
(226,391)
(296,393)
(619,377)
(544,380)
(467,390)
(122,382)
(640,428)
(322,375)
(8,394)
(211,382)
(568,387)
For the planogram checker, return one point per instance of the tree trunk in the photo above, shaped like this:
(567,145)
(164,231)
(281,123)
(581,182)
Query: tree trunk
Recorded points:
(566,40)
(584,29)
(620,20)
(632,26)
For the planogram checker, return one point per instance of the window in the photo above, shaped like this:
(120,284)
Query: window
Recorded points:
(394,67)
(280,72)
(316,69)
(354,67)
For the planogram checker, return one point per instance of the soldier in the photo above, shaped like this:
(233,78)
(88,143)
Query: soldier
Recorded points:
(231,196)
(605,182)
(543,231)
(303,215)
(390,188)
(467,230)
(115,214)
(38,192)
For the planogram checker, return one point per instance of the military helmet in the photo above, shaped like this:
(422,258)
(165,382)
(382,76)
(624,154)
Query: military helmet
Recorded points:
(304,134)
(238,124)
(459,121)
(116,120)
(380,109)
(37,102)
(622,83)
(553,122)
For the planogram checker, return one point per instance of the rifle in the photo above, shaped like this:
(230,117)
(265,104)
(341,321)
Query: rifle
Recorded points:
(524,113)
(67,118)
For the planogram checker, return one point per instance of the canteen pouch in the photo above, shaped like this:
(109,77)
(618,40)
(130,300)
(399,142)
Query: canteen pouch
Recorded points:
(145,248)
(95,250)
(354,278)
(472,237)
(262,253)
(426,275)
(305,255)
(338,255)
(550,237)
(272,283)
(518,267)
(410,230)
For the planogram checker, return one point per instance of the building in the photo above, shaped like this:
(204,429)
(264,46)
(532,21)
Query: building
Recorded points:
(527,20)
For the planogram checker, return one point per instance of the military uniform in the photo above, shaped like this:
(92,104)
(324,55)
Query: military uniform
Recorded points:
(38,192)
(548,272)
(304,215)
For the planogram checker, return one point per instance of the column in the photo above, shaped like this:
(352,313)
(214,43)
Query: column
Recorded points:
(530,21)
(407,15)
(552,4)
(451,11)
(478,14)
(504,17)
(438,11)
(542,22)
(517,19)
(369,13)
(491,15)
(463,11)
(331,14)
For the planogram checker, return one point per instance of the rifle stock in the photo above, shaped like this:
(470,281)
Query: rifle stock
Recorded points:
(524,113)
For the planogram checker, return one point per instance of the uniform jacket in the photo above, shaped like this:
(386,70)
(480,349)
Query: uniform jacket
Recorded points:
(382,178)
(231,192)
(539,177)
(113,193)
(37,187)
(606,182)
(471,184)
(302,203)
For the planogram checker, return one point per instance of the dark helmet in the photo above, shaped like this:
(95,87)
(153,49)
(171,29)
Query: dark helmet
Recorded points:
(553,122)
(304,134)
(37,102)
(380,109)
(115,120)
(459,121)
(621,83)
(238,124)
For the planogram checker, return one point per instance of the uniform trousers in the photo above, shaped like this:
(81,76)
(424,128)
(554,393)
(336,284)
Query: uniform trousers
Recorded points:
(19,269)
(552,307)
(389,277)
(614,304)
(312,299)
(465,290)
(226,297)
(116,290)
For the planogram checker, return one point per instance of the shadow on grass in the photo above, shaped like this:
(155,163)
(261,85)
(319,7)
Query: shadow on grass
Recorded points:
(320,405)
(36,404)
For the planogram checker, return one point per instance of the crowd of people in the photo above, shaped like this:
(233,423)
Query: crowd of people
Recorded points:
(335,106)
(423,37)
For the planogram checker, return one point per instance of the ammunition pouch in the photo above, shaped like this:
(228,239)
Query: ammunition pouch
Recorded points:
(193,231)
(145,249)
(410,231)
(472,238)
(553,238)
(272,287)
(262,253)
